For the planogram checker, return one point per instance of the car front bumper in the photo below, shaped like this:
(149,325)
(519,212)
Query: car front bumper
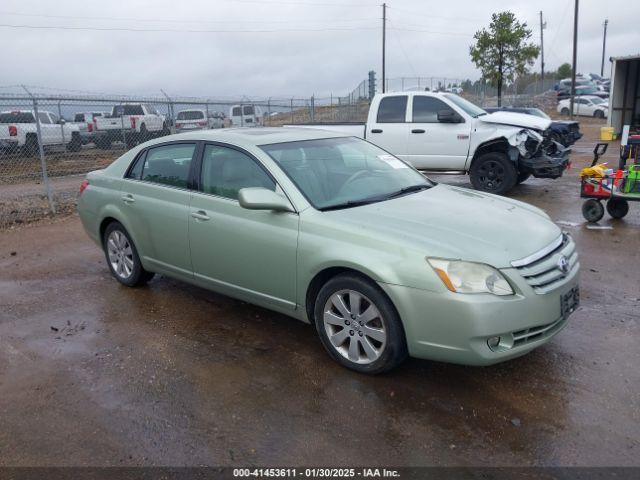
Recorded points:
(455,328)
(547,165)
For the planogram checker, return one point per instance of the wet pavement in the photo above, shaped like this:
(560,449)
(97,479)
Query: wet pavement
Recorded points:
(93,373)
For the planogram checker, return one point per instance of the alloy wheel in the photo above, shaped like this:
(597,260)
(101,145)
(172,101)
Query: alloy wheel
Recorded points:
(120,254)
(354,326)
(491,174)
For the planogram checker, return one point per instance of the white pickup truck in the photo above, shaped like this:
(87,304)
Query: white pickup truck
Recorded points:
(443,132)
(131,122)
(19,132)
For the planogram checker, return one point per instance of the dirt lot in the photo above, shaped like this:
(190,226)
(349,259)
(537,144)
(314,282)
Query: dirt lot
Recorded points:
(92,373)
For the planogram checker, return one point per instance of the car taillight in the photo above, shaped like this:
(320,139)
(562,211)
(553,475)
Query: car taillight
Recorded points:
(133,122)
(202,124)
(13,131)
(83,186)
(178,125)
(90,127)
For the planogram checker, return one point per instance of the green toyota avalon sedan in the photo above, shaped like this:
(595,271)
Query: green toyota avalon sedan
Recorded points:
(336,232)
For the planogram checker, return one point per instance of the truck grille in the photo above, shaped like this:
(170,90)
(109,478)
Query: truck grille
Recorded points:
(547,269)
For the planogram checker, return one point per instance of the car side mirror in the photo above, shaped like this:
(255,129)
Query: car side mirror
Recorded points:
(449,116)
(258,198)
(62,121)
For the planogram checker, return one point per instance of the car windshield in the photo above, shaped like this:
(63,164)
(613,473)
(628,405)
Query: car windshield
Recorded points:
(16,117)
(335,173)
(598,100)
(473,110)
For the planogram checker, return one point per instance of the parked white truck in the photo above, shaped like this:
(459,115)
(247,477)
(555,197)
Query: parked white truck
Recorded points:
(131,123)
(19,132)
(443,132)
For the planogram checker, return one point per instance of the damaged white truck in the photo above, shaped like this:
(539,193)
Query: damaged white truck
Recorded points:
(443,132)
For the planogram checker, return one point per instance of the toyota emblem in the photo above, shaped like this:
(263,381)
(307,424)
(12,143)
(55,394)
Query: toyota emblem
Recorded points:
(563,264)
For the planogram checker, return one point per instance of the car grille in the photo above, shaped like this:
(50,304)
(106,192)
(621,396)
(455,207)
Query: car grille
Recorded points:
(532,334)
(544,269)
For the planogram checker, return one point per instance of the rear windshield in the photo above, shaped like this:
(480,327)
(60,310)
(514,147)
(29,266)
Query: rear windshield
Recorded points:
(248,110)
(16,117)
(190,115)
(127,110)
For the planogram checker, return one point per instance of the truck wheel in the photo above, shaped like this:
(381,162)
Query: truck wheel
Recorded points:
(522,176)
(103,143)
(75,145)
(165,129)
(617,207)
(592,210)
(565,112)
(493,173)
(144,134)
(31,148)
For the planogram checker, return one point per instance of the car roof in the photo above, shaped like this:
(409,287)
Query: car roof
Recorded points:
(255,135)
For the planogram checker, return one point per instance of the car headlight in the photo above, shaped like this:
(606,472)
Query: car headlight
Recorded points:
(469,277)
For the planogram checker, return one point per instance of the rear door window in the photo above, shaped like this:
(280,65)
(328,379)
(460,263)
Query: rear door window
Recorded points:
(166,165)
(392,109)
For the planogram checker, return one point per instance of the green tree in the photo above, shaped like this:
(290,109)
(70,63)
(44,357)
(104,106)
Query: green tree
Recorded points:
(564,71)
(502,52)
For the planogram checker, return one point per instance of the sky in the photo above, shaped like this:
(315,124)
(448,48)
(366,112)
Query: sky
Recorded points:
(260,49)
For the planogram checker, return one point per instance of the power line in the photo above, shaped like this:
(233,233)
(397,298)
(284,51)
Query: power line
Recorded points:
(158,20)
(434,32)
(397,39)
(164,30)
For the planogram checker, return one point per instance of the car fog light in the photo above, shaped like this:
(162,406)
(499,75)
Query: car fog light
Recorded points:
(493,342)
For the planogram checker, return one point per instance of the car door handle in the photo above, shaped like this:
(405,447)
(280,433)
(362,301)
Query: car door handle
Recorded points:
(376,130)
(128,198)
(201,215)
(417,130)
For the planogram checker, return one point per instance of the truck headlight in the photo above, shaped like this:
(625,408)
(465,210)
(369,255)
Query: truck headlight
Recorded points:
(470,277)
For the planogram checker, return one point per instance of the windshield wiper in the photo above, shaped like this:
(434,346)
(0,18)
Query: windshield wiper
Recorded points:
(350,204)
(480,114)
(409,189)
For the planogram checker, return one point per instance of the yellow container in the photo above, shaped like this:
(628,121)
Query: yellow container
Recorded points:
(607,134)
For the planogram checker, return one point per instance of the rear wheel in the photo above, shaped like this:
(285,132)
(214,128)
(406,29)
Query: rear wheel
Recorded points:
(493,173)
(564,111)
(358,325)
(76,143)
(31,147)
(598,114)
(122,257)
(617,207)
(103,143)
(592,210)
(144,134)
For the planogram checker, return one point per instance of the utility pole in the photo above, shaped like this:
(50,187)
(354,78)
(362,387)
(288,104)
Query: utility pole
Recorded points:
(604,46)
(575,59)
(384,45)
(543,25)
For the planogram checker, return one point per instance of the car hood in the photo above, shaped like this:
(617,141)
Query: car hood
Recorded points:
(516,120)
(452,222)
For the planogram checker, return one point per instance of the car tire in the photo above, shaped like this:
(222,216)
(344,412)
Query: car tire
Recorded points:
(374,344)
(144,133)
(617,207)
(103,143)
(598,114)
(122,257)
(493,173)
(522,177)
(592,210)
(75,145)
(564,111)
(31,147)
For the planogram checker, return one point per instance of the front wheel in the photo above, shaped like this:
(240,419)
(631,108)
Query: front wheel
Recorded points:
(598,114)
(493,173)
(617,207)
(358,325)
(122,257)
(564,111)
(75,145)
(592,210)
